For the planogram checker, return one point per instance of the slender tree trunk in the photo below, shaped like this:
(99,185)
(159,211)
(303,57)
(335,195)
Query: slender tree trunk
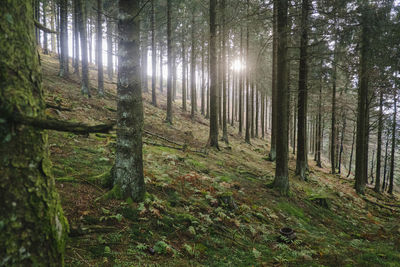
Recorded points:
(169,51)
(161,66)
(352,150)
(145,38)
(76,38)
(302,159)
(272,152)
(247,90)
(64,38)
(82,32)
(129,178)
(174,74)
(99,47)
(110,70)
(52,22)
(341,142)
(223,78)
(241,85)
(333,120)
(203,87)
(193,69)
(385,164)
(379,145)
(252,94)
(33,227)
(45,41)
(213,140)
(391,174)
(183,70)
(257,111)
(153,57)
(281,181)
(262,119)
(372,167)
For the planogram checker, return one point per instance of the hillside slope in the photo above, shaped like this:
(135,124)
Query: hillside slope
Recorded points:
(204,207)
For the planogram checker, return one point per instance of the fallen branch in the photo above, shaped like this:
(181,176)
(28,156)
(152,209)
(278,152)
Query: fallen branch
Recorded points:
(161,137)
(43,28)
(49,105)
(63,126)
(379,205)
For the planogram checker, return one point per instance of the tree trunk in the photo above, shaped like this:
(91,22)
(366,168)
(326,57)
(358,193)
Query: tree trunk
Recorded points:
(75,22)
(341,142)
(161,66)
(183,70)
(352,150)
(64,38)
(281,181)
(129,178)
(52,22)
(301,159)
(110,69)
(247,89)
(223,72)
(203,87)
(33,227)
(385,164)
(153,57)
(379,145)
(213,140)
(100,78)
(169,51)
(45,41)
(362,110)
(193,69)
(241,85)
(272,152)
(391,175)
(333,113)
(144,53)
(82,32)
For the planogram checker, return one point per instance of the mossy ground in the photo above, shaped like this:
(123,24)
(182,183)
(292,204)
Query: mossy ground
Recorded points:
(181,219)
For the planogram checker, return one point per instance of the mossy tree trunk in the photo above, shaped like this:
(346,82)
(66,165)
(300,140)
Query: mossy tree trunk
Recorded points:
(129,179)
(32,225)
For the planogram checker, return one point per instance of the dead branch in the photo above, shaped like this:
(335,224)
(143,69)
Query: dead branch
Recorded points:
(43,28)
(49,105)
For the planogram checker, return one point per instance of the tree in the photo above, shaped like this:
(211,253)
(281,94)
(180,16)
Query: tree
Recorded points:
(361,173)
(33,227)
(193,93)
(224,68)
(129,178)
(84,49)
(169,51)
(213,139)
(64,38)
(153,57)
(391,174)
(301,160)
(379,144)
(281,181)
(100,79)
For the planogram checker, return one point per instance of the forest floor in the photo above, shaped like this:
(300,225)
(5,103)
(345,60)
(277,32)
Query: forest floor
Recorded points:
(204,207)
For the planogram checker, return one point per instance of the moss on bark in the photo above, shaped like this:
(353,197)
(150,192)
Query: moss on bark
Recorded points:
(33,228)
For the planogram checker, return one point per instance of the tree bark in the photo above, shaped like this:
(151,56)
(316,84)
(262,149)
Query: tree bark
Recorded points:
(223,72)
(183,70)
(75,22)
(213,140)
(82,33)
(391,174)
(247,89)
(362,110)
(100,78)
(169,51)
(272,152)
(301,159)
(193,93)
(379,145)
(64,38)
(128,177)
(33,227)
(153,56)
(110,69)
(281,181)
